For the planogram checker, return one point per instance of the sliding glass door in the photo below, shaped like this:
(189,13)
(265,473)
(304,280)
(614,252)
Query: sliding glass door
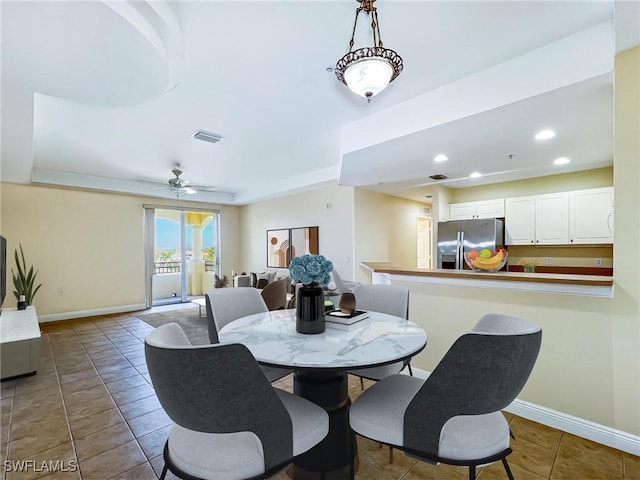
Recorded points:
(182,254)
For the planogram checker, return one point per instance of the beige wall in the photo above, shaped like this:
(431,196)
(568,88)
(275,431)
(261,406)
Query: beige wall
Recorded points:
(385,230)
(601,177)
(330,208)
(87,246)
(589,364)
(625,323)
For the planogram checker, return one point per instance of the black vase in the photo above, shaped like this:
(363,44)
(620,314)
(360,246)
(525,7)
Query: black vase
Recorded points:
(310,309)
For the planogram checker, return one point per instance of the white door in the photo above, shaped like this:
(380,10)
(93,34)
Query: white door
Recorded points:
(423,242)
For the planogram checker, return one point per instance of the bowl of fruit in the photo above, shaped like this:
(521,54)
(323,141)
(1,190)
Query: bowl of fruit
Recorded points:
(486,260)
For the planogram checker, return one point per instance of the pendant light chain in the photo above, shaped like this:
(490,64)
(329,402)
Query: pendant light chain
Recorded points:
(375,26)
(368,70)
(355,24)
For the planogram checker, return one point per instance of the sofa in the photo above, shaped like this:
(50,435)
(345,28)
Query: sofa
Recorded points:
(261,279)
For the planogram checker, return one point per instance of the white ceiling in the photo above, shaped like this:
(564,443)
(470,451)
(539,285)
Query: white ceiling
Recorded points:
(106,95)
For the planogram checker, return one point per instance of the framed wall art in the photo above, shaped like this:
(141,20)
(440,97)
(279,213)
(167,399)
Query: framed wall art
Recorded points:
(285,243)
(278,248)
(304,240)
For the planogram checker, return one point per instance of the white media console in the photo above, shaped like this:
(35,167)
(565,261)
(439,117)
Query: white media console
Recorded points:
(20,342)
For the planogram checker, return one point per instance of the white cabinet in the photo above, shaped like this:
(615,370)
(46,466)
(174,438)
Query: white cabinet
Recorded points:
(565,218)
(462,211)
(537,220)
(520,221)
(591,216)
(20,342)
(481,209)
(552,219)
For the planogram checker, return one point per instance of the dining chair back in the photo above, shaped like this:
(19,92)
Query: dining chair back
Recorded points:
(224,305)
(454,416)
(234,424)
(343,286)
(275,294)
(389,299)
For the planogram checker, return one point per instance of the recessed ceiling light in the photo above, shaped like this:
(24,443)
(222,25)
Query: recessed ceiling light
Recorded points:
(561,161)
(545,134)
(475,175)
(440,158)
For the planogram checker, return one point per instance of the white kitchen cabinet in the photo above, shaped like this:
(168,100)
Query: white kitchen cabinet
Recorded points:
(462,211)
(520,221)
(537,220)
(591,216)
(552,219)
(480,209)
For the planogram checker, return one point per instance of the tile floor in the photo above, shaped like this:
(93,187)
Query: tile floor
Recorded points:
(91,405)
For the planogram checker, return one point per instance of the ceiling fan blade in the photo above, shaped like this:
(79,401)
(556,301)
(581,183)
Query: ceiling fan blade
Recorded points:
(189,190)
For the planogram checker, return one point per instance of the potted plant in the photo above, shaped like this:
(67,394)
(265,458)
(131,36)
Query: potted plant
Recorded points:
(221,282)
(24,279)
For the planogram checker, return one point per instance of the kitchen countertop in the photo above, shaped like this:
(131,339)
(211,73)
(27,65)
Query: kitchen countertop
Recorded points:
(592,285)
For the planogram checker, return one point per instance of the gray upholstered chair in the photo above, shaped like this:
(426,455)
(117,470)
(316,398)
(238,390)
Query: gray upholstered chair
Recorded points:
(224,305)
(343,286)
(390,299)
(230,423)
(454,416)
(275,294)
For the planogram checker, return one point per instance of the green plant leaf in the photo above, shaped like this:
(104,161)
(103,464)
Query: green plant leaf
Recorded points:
(24,279)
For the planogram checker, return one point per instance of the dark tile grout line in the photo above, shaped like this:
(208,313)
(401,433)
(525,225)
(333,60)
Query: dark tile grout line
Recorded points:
(126,327)
(110,395)
(64,404)
(102,332)
(6,453)
(557,452)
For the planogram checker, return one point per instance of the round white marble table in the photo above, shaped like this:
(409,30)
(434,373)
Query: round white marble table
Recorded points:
(321,362)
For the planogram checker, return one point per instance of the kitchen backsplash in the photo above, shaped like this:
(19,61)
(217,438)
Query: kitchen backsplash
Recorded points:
(569,256)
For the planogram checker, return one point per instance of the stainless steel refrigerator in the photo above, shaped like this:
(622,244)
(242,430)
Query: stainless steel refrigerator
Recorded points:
(459,236)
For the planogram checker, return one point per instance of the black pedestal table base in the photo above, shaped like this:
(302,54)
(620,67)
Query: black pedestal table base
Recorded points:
(332,456)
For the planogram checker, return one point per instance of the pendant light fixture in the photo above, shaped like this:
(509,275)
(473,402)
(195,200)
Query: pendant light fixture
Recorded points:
(367,71)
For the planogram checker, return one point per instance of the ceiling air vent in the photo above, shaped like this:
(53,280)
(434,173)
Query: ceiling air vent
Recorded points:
(206,136)
(438,176)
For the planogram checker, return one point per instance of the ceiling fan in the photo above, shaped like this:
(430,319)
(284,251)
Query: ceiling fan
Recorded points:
(178,186)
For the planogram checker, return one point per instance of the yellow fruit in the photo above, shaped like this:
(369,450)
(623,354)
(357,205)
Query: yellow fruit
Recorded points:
(492,263)
(485,253)
(496,259)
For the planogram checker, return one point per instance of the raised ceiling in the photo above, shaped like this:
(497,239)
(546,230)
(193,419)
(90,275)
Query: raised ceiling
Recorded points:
(106,95)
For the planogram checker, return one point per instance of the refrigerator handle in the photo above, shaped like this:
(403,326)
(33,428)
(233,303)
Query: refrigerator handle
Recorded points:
(459,257)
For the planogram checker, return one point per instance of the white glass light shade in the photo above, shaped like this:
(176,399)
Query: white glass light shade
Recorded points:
(368,77)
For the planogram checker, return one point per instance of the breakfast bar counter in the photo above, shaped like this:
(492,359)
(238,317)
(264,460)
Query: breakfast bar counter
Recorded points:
(591,285)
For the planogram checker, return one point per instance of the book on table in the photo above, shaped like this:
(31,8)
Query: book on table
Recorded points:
(341,320)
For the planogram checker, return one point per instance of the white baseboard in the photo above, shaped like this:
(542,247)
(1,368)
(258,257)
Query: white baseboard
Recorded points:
(567,423)
(53,317)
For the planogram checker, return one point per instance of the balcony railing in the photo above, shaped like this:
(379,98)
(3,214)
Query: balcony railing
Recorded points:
(166,267)
(174,267)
